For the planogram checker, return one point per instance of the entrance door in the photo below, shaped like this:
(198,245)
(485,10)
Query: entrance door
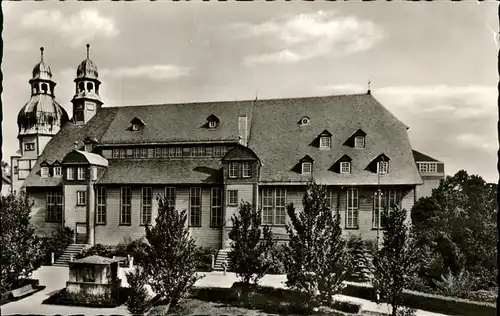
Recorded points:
(81,233)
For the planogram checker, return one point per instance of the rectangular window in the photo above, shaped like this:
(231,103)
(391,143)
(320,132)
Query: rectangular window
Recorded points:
(388,200)
(216,208)
(232,197)
(88,148)
(115,153)
(70,173)
(170,196)
(352,208)
(217,151)
(325,142)
(306,168)
(267,205)
(171,152)
(383,167)
(54,207)
(146,205)
(246,170)
(57,171)
(45,172)
(79,115)
(144,152)
(359,141)
(129,153)
(157,152)
(197,151)
(432,167)
(123,153)
(233,170)
(345,167)
(29,146)
(81,173)
(280,203)
(101,205)
(195,207)
(178,152)
(223,151)
(81,198)
(126,206)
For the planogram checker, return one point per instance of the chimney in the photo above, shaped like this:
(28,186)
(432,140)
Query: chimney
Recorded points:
(242,130)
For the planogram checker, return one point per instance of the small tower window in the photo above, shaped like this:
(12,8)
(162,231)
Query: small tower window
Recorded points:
(90,86)
(29,146)
(345,167)
(359,142)
(81,86)
(306,167)
(44,87)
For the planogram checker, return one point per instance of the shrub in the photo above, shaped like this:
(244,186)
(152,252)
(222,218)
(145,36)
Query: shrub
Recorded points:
(56,243)
(171,260)
(347,307)
(358,253)
(456,286)
(250,246)
(276,260)
(136,248)
(97,250)
(204,258)
(138,301)
(315,259)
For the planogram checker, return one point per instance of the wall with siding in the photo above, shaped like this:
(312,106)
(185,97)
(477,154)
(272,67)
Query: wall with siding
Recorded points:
(38,214)
(245,193)
(74,213)
(112,233)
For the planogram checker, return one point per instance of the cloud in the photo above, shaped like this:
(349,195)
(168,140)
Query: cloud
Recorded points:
(307,36)
(76,28)
(152,72)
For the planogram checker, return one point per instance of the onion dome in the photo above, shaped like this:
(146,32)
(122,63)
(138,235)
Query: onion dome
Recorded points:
(87,68)
(42,114)
(42,70)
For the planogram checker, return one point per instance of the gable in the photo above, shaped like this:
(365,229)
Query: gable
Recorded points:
(240,153)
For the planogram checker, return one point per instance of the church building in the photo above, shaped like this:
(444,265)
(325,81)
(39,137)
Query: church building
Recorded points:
(100,171)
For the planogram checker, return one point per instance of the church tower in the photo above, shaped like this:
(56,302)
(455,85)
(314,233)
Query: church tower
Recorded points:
(38,121)
(86,101)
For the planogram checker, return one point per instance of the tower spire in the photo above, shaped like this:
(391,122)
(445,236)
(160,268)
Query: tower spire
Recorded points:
(41,53)
(369,87)
(88,48)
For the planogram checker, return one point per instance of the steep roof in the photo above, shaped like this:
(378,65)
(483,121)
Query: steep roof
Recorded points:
(420,157)
(280,142)
(63,143)
(274,135)
(159,171)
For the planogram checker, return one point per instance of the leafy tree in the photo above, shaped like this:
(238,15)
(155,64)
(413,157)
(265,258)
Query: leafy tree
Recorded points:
(316,261)
(5,167)
(138,301)
(171,257)
(397,261)
(458,223)
(20,249)
(251,246)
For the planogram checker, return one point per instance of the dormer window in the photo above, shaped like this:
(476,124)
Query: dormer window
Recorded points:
(212,121)
(57,171)
(306,167)
(345,167)
(137,124)
(45,172)
(383,167)
(305,121)
(325,142)
(88,148)
(359,141)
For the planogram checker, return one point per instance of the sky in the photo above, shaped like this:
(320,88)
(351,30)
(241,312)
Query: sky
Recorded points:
(432,64)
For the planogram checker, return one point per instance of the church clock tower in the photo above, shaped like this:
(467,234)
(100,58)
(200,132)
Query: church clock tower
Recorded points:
(86,101)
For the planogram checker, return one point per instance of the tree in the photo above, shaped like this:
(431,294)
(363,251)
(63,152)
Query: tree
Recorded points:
(458,224)
(20,248)
(250,246)
(316,261)
(5,167)
(397,261)
(138,301)
(171,256)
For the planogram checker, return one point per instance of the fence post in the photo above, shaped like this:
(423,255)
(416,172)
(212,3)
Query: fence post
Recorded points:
(131,262)
(52,257)
(213,261)
(71,258)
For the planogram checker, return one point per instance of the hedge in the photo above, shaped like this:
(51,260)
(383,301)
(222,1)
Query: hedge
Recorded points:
(428,302)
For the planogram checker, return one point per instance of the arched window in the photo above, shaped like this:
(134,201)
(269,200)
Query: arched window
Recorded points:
(81,86)
(44,87)
(90,86)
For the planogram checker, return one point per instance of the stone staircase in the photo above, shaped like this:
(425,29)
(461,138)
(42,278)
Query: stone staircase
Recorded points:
(221,255)
(73,249)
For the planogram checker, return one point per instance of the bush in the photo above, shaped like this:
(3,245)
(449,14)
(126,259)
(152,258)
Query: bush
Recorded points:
(276,259)
(138,301)
(136,248)
(455,286)
(361,257)
(204,258)
(56,243)
(97,250)
(346,307)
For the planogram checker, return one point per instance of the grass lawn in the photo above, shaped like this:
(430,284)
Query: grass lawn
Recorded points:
(199,307)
